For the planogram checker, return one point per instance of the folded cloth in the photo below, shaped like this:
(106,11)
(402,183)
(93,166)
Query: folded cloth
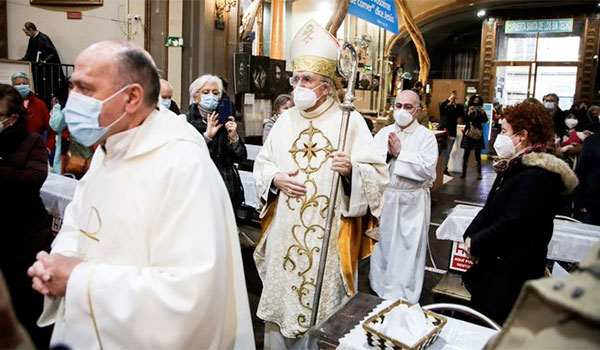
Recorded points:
(405,324)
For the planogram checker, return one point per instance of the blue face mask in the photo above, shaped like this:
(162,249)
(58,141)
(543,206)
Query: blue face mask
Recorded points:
(166,102)
(209,101)
(23,89)
(82,113)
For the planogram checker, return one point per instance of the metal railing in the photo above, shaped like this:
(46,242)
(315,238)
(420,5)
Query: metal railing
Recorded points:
(50,80)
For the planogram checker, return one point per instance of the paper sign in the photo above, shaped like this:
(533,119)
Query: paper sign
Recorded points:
(459,259)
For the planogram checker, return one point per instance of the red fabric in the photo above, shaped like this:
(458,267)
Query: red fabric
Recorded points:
(573,140)
(40,119)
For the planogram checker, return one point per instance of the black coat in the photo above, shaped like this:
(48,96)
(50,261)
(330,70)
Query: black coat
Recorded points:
(476,119)
(41,43)
(558,117)
(450,114)
(223,153)
(510,235)
(587,194)
(25,225)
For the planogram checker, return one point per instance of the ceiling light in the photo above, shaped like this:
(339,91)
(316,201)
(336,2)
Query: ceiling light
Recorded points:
(481,13)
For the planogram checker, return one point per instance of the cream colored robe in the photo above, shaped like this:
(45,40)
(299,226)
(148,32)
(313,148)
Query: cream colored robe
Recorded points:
(397,266)
(153,222)
(287,255)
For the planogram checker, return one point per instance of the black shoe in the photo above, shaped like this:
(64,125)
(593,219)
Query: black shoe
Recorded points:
(446,172)
(479,177)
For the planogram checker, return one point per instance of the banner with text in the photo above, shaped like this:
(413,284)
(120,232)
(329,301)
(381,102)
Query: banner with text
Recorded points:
(381,13)
(561,25)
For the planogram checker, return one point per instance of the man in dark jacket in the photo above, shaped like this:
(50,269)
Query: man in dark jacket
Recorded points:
(587,194)
(450,111)
(558,115)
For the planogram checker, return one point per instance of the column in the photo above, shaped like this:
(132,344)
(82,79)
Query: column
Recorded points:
(277,36)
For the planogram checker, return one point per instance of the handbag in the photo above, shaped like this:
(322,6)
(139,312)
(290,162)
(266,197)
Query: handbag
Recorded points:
(474,133)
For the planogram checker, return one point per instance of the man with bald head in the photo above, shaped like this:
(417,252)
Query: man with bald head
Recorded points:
(148,255)
(398,260)
(165,98)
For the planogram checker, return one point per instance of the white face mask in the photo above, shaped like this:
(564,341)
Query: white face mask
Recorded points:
(504,146)
(571,123)
(549,105)
(402,117)
(305,98)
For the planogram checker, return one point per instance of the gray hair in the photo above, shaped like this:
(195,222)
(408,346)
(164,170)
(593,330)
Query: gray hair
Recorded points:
(205,79)
(135,65)
(332,89)
(552,94)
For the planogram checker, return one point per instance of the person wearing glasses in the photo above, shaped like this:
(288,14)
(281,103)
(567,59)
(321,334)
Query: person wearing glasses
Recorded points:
(293,174)
(398,260)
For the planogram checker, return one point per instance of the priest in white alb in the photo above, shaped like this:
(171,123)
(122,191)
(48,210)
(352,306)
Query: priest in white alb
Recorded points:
(148,254)
(398,260)
(293,174)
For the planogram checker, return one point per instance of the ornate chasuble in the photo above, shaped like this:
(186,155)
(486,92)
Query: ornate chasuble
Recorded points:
(288,254)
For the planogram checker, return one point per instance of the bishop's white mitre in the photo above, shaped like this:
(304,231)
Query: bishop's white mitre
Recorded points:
(315,50)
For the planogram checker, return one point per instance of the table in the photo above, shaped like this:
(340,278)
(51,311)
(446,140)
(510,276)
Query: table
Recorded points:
(344,328)
(57,192)
(570,241)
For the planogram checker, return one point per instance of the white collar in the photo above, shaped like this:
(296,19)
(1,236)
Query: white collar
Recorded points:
(322,109)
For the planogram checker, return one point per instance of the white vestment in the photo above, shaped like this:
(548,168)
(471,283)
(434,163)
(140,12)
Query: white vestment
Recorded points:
(288,253)
(398,260)
(162,267)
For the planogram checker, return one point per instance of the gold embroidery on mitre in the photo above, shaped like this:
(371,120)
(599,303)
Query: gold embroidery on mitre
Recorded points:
(307,33)
(310,152)
(315,64)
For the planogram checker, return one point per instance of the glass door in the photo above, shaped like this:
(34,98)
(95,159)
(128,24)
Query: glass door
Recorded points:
(512,84)
(560,80)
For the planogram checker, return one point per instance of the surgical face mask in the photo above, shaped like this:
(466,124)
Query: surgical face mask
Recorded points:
(504,146)
(209,101)
(402,117)
(23,89)
(571,123)
(166,102)
(82,113)
(549,105)
(305,98)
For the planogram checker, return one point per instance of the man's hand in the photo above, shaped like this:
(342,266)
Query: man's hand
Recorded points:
(212,125)
(341,163)
(231,127)
(50,273)
(394,144)
(53,101)
(291,188)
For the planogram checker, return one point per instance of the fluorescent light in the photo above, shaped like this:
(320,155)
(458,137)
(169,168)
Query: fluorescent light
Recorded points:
(480,13)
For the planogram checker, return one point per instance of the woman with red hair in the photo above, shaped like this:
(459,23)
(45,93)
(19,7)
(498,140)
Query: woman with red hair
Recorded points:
(509,237)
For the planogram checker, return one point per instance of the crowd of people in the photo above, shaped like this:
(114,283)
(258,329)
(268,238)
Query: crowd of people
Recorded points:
(150,241)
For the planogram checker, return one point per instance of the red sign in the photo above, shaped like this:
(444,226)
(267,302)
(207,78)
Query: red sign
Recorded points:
(74,15)
(459,259)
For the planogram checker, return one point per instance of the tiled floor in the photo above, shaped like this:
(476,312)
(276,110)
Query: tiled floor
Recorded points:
(468,190)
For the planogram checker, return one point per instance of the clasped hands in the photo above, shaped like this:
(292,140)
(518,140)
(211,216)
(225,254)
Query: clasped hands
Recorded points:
(340,162)
(51,272)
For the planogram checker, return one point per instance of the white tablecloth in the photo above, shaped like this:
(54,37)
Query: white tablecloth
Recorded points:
(456,154)
(570,241)
(252,151)
(456,335)
(57,192)
(250,196)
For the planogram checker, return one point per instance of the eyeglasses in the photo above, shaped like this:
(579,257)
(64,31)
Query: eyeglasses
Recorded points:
(305,79)
(405,106)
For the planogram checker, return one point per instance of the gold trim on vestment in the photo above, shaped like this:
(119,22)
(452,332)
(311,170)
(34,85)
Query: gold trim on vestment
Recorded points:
(90,307)
(315,64)
(354,245)
(316,113)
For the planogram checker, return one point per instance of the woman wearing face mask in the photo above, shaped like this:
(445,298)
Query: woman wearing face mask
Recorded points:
(224,144)
(509,237)
(572,142)
(281,103)
(25,224)
(475,118)
(39,120)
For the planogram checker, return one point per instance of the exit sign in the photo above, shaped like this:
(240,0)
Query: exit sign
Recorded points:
(174,41)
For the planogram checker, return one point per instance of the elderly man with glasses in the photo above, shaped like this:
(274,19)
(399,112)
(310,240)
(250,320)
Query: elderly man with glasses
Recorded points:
(293,174)
(398,260)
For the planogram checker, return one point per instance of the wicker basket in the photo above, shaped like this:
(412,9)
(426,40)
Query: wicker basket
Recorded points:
(382,341)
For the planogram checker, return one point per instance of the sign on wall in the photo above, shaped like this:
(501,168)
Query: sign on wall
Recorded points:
(381,13)
(561,25)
